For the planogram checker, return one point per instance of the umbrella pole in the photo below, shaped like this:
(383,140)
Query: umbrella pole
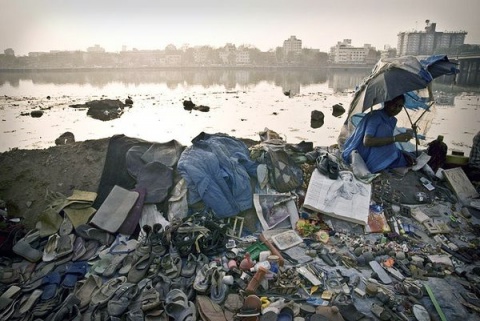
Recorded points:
(414,128)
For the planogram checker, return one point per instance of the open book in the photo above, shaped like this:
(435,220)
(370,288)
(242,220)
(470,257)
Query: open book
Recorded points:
(345,198)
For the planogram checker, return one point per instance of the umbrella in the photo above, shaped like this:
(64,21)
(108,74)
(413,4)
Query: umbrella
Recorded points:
(392,77)
(395,76)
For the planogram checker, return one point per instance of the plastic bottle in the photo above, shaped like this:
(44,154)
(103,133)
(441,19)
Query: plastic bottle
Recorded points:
(256,280)
(265,264)
(246,263)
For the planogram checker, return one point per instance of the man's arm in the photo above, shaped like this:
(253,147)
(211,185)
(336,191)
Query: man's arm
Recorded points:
(372,141)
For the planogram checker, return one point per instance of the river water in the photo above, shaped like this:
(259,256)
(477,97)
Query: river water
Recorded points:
(242,104)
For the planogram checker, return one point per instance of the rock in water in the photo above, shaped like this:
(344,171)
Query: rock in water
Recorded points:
(338,110)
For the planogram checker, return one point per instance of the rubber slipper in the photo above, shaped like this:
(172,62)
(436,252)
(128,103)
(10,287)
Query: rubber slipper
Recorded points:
(79,248)
(91,233)
(286,314)
(85,289)
(8,296)
(208,309)
(24,249)
(50,283)
(107,290)
(150,298)
(176,303)
(202,279)
(269,316)
(124,247)
(218,289)
(50,249)
(120,301)
(73,273)
(66,227)
(169,266)
(114,264)
(139,269)
(91,247)
(9,275)
(252,305)
(190,266)
(30,302)
(65,245)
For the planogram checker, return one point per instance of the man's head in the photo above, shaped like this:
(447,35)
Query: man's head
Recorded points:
(394,106)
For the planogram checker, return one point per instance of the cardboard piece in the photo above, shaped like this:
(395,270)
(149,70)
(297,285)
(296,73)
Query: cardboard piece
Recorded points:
(460,184)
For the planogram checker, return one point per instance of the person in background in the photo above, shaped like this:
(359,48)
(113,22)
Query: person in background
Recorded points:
(472,169)
(437,149)
(374,140)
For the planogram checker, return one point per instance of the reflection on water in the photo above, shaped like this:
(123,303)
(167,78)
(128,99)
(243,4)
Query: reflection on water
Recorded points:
(290,80)
(241,102)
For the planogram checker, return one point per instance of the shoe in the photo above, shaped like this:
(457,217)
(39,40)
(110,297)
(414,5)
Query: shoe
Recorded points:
(120,301)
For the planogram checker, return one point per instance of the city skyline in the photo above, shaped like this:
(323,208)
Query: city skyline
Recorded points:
(32,25)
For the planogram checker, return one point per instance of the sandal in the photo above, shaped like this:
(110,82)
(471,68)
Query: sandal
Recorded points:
(150,298)
(178,307)
(190,266)
(171,266)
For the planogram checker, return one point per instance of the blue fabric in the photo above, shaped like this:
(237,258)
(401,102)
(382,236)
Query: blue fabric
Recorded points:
(377,124)
(414,102)
(217,169)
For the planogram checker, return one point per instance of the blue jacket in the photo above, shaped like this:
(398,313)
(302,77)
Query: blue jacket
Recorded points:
(217,169)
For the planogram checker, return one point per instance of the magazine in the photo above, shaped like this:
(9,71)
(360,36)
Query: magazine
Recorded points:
(345,198)
(276,210)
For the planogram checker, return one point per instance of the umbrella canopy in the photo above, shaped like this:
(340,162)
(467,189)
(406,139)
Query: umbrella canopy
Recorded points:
(392,77)
(395,76)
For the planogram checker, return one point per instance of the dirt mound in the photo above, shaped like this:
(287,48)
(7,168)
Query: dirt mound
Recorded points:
(26,175)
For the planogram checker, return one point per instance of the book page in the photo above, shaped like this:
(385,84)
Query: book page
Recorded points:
(273,210)
(345,198)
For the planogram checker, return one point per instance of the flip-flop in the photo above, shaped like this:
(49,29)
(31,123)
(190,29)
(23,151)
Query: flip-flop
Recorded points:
(190,266)
(140,269)
(50,249)
(50,283)
(8,296)
(150,298)
(74,272)
(86,288)
(176,303)
(24,249)
(78,248)
(107,290)
(9,275)
(286,314)
(91,233)
(120,301)
(115,263)
(208,309)
(30,302)
(252,305)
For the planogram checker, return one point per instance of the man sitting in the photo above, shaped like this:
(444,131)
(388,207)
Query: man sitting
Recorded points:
(374,140)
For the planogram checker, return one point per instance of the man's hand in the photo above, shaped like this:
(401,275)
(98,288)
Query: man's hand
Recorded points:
(404,137)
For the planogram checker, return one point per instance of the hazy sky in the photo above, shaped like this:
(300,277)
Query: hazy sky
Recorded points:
(43,25)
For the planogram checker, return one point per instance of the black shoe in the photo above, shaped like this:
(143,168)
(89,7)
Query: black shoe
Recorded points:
(332,169)
(322,164)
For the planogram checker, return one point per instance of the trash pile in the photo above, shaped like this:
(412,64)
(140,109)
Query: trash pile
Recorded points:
(224,231)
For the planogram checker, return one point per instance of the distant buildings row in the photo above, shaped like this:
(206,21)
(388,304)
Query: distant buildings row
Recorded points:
(291,53)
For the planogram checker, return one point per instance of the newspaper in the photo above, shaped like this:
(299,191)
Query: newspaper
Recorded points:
(345,198)
(276,210)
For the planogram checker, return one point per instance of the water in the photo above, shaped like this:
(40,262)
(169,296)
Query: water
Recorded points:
(242,104)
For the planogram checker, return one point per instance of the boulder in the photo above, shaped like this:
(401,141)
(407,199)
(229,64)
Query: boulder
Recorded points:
(65,139)
(36,113)
(338,110)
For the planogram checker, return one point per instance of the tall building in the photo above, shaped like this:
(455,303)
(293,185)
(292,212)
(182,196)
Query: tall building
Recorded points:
(426,42)
(292,45)
(344,53)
